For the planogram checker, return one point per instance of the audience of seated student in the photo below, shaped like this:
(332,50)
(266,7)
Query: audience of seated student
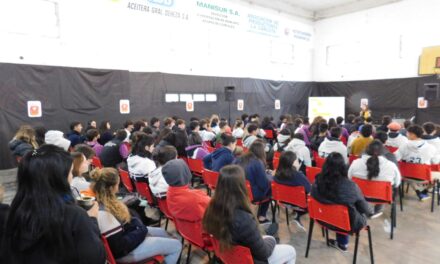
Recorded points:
(383,138)
(245,119)
(181,138)
(253,131)
(353,135)
(55,137)
(316,140)
(298,146)
(155,125)
(238,129)
(23,141)
(430,137)
(282,120)
(223,128)
(288,174)
(195,149)
(331,123)
(92,137)
(254,164)
(349,123)
(128,127)
(230,220)
(344,131)
(376,167)
(74,136)
(302,126)
(129,239)
(91,124)
(333,143)
(169,123)
(417,150)
(405,127)
(4,211)
(314,127)
(158,184)
(138,126)
(105,133)
(80,166)
(286,119)
(222,156)
(140,162)
(332,186)
(267,124)
(395,138)
(283,140)
(40,132)
(206,131)
(166,138)
(183,203)
(213,124)
(115,151)
(386,121)
(44,223)
(360,144)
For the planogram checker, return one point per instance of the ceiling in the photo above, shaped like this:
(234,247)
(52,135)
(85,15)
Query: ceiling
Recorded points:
(319,9)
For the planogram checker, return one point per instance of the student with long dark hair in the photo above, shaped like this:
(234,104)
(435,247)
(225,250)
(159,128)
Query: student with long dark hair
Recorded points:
(222,156)
(332,186)
(230,220)
(374,166)
(254,165)
(140,162)
(44,224)
(288,174)
(105,133)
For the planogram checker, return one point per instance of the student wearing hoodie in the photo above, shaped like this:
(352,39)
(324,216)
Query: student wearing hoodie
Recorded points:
(205,131)
(238,129)
(361,143)
(195,148)
(55,137)
(92,137)
(430,137)
(181,137)
(395,138)
(115,151)
(333,144)
(23,141)
(417,150)
(253,132)
(298,146)
(375,166)
(157,182)
(140,163)
(316,141)
(74,136)
(383,137)
(222,156)
(283,140)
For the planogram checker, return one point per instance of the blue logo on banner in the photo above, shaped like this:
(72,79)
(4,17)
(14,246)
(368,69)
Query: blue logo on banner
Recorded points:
(167,3)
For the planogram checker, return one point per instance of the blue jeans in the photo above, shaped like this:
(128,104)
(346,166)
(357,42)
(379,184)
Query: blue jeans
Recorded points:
(157,242)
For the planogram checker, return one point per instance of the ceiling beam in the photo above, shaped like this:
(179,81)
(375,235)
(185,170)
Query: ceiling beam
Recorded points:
(350,8)
(284,7)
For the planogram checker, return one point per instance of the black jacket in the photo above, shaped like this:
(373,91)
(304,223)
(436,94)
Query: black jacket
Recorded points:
(81,238)
(4,211)
(351,196)
(244,231)
(19,147)
(110,155)
(181,142)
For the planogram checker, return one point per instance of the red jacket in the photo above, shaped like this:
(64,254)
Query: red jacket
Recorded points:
(187,204)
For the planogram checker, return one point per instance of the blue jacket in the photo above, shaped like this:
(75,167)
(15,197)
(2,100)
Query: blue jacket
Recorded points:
(256,174)
(217,159)
(296,179)
(75,138)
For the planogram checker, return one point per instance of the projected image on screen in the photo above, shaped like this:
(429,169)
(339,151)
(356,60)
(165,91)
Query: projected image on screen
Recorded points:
(327,107)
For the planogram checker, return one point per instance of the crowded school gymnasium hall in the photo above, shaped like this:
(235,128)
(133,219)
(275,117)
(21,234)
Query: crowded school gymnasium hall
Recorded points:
(219,131)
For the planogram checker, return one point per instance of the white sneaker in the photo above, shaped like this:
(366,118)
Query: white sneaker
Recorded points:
(376,215)
(299,225)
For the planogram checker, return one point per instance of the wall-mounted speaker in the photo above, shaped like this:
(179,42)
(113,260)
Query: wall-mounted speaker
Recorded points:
(230,93)
(431,91)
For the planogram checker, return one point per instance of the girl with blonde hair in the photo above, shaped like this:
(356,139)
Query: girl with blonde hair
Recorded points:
(23,141)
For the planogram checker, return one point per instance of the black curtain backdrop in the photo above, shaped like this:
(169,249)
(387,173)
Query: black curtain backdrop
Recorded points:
(70,94)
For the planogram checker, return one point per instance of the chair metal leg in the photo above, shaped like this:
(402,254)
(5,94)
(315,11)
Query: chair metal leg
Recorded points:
(322,229)
(189,253)
(287,216)
(438,192)
(407,187)
(393,224)
(166,224)
(327,238)
(401,197)
(370,243)
(356,245)
(433,197)
(309,237)
(274,213)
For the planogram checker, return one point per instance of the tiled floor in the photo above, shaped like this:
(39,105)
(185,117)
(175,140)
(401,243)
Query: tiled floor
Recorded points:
(416,239)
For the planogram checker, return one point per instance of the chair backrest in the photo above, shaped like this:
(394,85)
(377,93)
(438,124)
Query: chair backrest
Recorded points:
(378,190)
(210,178)
(195,166)
(311,173)
(110,258)
(277,154)
(163,207)
(315,154)
(415,171)
(435,167)
(269,134)
(144,191)
(96,162)
(126,181)
(392,149)
(295,195)
(184,159)
(333,215)
(240,142)
(249,190)
(191,231)
(237,254)
(352,158)
(275,162)
(319,161)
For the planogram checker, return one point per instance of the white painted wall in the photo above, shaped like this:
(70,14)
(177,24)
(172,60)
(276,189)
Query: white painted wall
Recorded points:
(379,43)
(107,34)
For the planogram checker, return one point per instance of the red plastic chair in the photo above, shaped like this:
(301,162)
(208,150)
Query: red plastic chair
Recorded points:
(352,158)
(240,142)
(193,233)
(184,159)
(237,254)
(292,195)
(276,160)
(245,150)
(126,181)
(269,134)
(163,207)
(196,167)
(210,178)
(96,163)
(319,161)
(419,173)
(336,218)
(144,191)
(251,197)
(111,259)
(312,172)
(209,149)
(392,149)
(379,192)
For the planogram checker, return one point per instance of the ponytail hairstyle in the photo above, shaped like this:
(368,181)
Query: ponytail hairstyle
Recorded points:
(375,149)
(227,139)
(103,180)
